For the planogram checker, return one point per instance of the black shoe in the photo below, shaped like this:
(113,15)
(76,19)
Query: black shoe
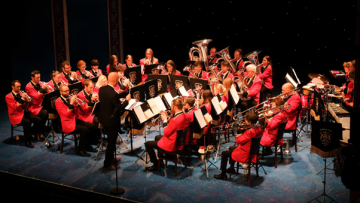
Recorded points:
(29,144)
(220,176)
(265,152)
(228,171)
(152,168)
(83,153)
(91,149)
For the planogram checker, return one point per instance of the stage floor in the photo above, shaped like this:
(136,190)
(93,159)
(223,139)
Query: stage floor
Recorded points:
(294,180)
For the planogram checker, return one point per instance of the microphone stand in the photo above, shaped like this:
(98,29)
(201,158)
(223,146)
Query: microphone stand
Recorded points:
(116,190)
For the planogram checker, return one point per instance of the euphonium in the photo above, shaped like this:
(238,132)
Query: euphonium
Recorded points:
(202,50)
(226,56)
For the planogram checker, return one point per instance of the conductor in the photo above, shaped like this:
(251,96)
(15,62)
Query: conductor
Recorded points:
(111,109)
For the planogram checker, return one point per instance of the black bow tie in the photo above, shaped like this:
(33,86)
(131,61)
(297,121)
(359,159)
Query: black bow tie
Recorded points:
(68,100)
(37,86)
(18,96)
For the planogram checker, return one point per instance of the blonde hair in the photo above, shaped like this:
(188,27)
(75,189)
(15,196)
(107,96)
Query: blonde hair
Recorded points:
(227,83)
(221,88)
(80,63)
(101,78)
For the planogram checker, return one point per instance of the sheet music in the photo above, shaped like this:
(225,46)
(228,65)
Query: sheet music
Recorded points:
(223,105)
(148,114)
(159,103)
(289,79)
(234,94)
(207,118)
(296,75)
(140,114)
(168,98)
(155,109)
(200,118)
(216,104)
(132,104)
(183,92)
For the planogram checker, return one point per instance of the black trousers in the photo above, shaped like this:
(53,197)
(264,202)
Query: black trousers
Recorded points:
(39,121)
(26,122)
(265,92)
(224,158)
(150,146)
(86,130)
(245,104)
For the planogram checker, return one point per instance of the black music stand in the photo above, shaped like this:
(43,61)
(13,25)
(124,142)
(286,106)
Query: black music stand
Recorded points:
(325,141)
(153,68)
(162,82)
(95,79)
(176,81)
(133,74)
(49,105)
(75,88)
(151,89)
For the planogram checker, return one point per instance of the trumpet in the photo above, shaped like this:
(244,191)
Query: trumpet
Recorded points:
(94,93)
(167,113)
(78,100)
(28,98)
(131,85)
(91,75)
(162,67)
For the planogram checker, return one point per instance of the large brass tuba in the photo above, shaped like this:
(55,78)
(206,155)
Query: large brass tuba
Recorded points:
(202,51)
(254,59)
(226,56)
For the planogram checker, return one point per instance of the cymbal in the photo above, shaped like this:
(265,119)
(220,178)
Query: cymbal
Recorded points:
(251,53)
(324,79)
(313,75)
(307,88)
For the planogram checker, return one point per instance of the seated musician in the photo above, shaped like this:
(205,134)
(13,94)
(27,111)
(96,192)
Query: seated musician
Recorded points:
(348,67)
(266,76)
(225,70)
(190,108)
(227,83)
(16,102)
(220,90)
(55,81)
(129,62)
(272,124)
(67,109)
(171,68)
(95,71)
(114,61)
(123,83)
(82,73)
(207,97)
(102,81)
(350,101)
(238,61)
(251,96)
(212,58)
(148,60)
(67,76)
(167,142)
(241,153)
(37,92)
(199,73)
(293,99)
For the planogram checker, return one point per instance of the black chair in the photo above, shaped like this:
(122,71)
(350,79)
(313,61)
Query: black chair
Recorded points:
(279,136)
(172,156)
(254,149)
(63,135)
(191,138)
(293,132)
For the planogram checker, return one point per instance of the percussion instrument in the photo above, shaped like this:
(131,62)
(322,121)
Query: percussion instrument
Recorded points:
(306,90)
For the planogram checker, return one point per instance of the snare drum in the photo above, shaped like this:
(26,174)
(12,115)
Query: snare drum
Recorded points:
(307,90)
(304,104)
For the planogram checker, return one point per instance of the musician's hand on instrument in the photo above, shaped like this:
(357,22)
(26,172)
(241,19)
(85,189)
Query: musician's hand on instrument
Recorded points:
(87,74)
(94,97)
(98,74)
(127,83)
(23,96)
(128,97)
(163,117)
(73,100)
(73,74)
(44,86)
(269,113)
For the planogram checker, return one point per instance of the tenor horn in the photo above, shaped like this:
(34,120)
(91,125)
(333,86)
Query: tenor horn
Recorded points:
(226,56)
(201,50)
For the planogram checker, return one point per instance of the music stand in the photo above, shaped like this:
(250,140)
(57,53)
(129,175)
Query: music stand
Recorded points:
(176,81)
(133,74)
(95,79)
(325,141)
(49,105)
(75,88)
(153,68)
(162,82)
(151,89)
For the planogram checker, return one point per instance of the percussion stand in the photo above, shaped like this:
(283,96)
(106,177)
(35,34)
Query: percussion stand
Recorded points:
(306,120)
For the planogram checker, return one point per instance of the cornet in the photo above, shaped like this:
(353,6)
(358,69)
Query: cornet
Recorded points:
(28,98)
(91,75)
(78,100)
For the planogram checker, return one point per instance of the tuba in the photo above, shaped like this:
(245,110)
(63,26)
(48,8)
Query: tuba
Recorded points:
(202,51)
(254,59)
(226,56)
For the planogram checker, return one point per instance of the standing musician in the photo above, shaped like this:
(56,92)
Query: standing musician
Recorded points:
(241,153)
(190,108)
(167,142)
(225,73)
(102,81)
(272,126)
(67,109)
(111,110)
(67,76)
(294,100)
(199,73)
(16,102)
(148,60)
(123,83)
(82,73)
(348,86)
(212,58)
(129,62)
(114,61)
(349,101)
(238,61)
(95,71)
(251,96)
(37,92)
(55,81)
(266,76)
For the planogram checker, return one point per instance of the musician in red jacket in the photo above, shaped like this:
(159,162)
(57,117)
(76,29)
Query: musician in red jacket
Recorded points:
(83,74)
(266,77)
(349,101)
(225,70)
(67,76)
(190,108)
(294,101)
(272,125)
(250,97)
(37,92)
(55,82)
(199,73)
(212,58)
(95,71)
(129,62)
(238,61)
(167,142)
(90,97)
(171,68)
(114,61)
(67,109)
(148,60)
(16,102)
(241,153)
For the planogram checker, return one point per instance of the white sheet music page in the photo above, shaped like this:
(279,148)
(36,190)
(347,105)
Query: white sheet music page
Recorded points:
(168,98)
(234,94)
(131,102)
(140,114)
(223,105)
(200,118)
(207,118)
(183,91)
(291,80)
(159,103)
(148,114)
(216,104)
